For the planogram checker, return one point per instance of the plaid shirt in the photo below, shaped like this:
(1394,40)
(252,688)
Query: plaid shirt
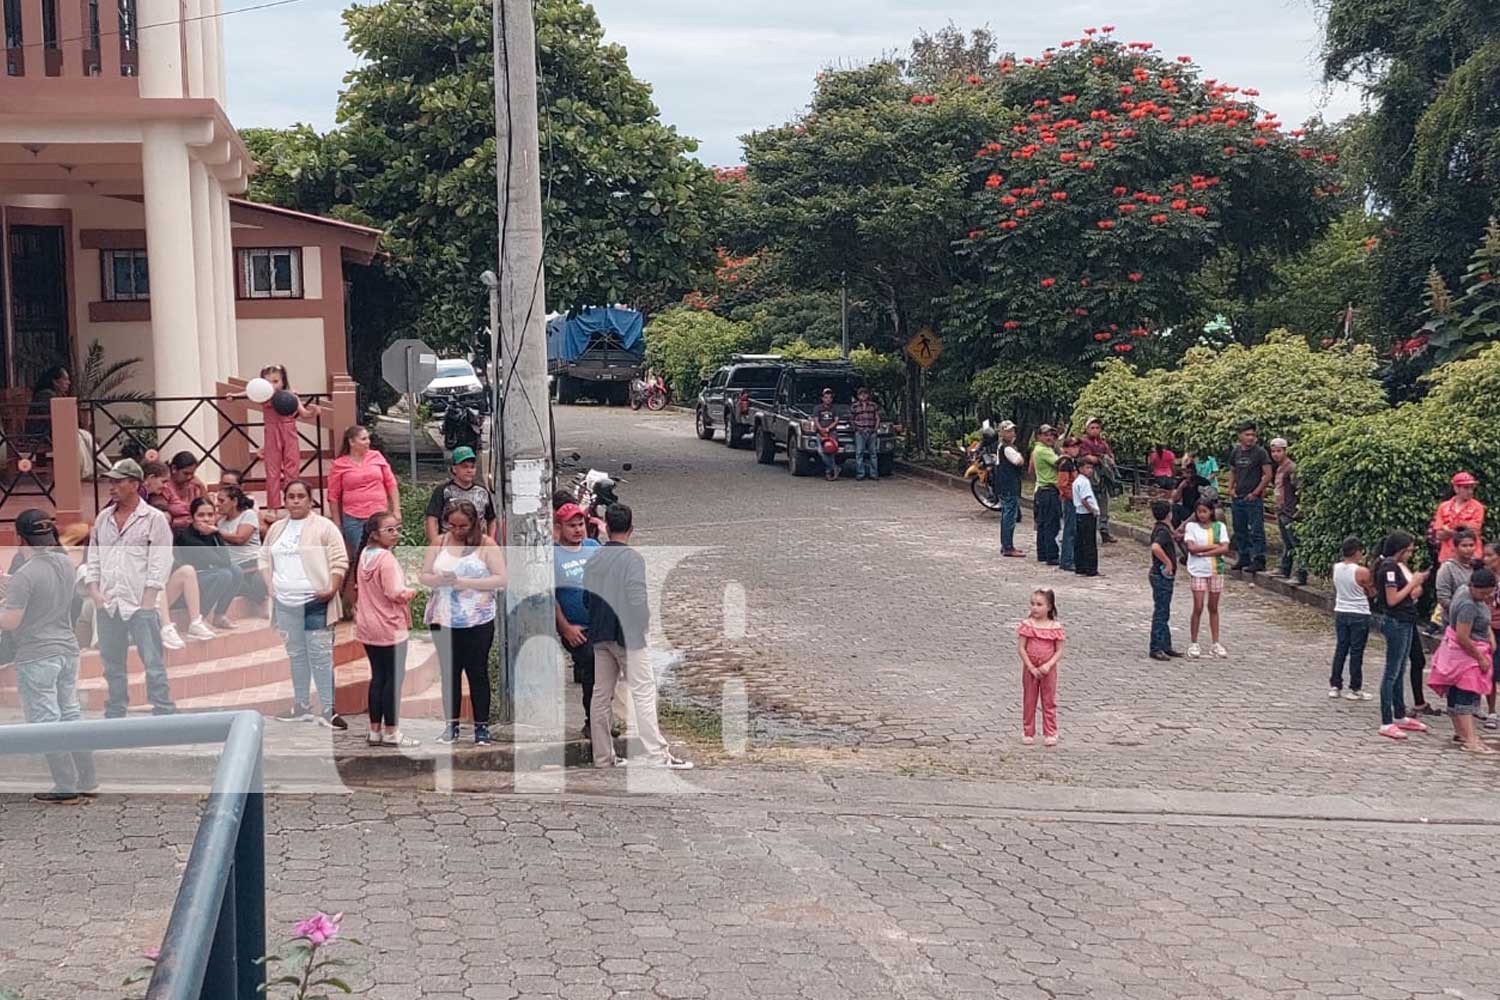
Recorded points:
(864,414)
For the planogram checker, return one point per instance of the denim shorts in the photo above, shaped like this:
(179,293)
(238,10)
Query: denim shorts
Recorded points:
(1462,702)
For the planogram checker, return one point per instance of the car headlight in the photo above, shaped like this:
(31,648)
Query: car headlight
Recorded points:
(807,426)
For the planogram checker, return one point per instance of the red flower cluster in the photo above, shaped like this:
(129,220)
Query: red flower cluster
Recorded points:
(1048,282)
(1124,348)
(1012,324)
(994,180)
(923,99)
(1135,276)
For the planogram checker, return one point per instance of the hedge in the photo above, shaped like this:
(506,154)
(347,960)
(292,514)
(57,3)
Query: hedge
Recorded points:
(686,346)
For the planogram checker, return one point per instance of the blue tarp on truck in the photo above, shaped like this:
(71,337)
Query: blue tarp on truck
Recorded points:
(568,337)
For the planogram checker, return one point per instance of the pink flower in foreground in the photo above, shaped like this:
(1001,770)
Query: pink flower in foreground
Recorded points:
(319,928)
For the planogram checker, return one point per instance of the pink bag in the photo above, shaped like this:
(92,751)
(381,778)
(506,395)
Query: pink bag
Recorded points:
(1452,667)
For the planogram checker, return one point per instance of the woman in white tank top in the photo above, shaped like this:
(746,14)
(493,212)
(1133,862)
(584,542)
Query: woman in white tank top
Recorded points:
(1352,586)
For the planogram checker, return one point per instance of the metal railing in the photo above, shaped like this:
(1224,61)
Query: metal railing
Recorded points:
(217,930)
(129,433)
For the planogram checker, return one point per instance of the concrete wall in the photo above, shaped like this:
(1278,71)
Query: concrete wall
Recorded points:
(296,343)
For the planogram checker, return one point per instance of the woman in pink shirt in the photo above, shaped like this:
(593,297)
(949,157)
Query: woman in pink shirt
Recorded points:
(382,622)
(360,485)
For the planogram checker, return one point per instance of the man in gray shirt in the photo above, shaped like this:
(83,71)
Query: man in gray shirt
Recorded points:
(39,610)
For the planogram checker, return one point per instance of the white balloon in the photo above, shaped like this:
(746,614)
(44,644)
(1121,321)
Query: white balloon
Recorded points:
(259,390)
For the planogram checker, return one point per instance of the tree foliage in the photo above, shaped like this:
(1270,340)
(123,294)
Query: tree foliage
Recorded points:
(1285,386)
(1460,326)
(1127,174)
(688,345)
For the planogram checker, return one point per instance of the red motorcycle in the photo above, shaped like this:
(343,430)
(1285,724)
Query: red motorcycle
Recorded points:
(651,394)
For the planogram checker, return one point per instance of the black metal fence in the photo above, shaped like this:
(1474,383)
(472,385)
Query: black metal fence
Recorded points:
(217,930)
(119,430)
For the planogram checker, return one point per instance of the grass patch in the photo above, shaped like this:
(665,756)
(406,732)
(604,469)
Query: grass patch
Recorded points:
(690,722)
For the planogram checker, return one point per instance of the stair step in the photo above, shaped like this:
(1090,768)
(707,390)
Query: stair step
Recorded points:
(252,635)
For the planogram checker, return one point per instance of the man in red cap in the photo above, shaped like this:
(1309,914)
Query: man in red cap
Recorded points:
(571,554)
(1462,511)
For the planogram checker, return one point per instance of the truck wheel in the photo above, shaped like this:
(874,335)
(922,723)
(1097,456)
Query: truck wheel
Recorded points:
(765,447)
(734,434)
(798,462)
(567,390)
(705,432)
(886,464)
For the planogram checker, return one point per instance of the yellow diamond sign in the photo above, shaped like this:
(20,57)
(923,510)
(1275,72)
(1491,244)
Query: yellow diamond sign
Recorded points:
(925,348)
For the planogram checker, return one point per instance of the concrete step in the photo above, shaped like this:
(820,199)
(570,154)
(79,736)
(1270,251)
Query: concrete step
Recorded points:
(251,635)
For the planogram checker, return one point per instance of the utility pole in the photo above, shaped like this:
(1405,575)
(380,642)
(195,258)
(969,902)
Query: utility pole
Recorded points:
(532,657)
(844,309)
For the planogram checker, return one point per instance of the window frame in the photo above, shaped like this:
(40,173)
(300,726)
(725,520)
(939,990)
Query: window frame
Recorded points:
(245,273)
(107,290)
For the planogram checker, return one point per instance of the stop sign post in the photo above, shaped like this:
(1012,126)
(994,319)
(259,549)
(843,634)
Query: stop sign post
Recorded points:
(409,366)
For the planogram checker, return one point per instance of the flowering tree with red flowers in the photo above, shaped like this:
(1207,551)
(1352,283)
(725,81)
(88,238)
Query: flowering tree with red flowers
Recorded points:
(1126,174)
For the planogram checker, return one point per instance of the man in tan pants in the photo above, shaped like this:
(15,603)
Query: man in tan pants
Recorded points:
(619,611)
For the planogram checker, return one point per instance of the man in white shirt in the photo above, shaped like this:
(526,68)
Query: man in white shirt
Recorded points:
(129,560)
(1086,506)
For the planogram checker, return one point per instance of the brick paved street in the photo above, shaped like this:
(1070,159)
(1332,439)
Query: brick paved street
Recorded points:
(1210,829)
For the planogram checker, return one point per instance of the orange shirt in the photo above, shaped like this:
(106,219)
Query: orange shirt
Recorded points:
(1450,517)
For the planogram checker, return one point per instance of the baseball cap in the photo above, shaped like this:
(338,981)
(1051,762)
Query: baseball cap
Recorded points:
(1046,429)
(567,512)
(463,454)
(1465,479)
(126,468)
(36,525)
(1007,425)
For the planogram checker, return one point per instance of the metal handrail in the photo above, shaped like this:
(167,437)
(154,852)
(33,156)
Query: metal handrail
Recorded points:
(217,930)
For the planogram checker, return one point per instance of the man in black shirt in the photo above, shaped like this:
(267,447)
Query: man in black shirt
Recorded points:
(1251,468)
(1163,578)
(1010,465)
(462,485)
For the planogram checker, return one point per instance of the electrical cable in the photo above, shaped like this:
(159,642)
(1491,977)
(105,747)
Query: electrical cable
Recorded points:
(59,43)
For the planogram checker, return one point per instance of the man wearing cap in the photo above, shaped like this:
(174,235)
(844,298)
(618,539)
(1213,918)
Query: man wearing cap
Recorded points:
(1287,486)
(129,560)
(462,485)
(39,611)
(864,415)
(825,422)
(569,558)
(1461,511)
(1094,445)
(1046,501)
(1010,466)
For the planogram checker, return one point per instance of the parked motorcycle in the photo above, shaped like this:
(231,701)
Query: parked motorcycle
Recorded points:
(594,491)
(651,394)
(982,457)
(462,426)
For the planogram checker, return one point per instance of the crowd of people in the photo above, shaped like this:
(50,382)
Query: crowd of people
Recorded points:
(1456,602)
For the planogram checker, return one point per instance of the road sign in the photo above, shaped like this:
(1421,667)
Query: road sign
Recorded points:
(408,365)
(925,348)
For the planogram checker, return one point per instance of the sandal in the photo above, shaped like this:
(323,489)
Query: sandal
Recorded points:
(1480,751)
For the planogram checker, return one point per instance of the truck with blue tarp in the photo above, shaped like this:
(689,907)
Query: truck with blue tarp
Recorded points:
(596,352)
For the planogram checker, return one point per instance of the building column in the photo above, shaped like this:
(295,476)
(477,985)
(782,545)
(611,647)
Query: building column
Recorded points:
(167,176)
(160,57)
(207,326)
(228,348)
(192,30)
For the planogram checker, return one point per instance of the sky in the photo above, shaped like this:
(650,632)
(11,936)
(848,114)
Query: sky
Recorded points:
(721,69)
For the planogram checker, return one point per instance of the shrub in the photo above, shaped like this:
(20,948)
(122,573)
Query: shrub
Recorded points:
(1042,392)
(1129,405)
(688,345)
(1370,476)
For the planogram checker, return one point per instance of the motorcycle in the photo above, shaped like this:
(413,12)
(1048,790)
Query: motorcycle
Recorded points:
(594,491)
(980,473)
(650,394)
(462,426)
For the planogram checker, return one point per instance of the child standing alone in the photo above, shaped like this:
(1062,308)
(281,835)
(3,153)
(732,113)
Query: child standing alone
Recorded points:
(1039,640)
(281,452)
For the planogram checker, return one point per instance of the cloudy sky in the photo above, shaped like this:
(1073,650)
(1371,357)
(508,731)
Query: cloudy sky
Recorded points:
(721,69)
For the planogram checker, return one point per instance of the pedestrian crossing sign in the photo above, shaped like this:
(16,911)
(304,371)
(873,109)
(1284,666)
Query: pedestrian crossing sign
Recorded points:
(925,348)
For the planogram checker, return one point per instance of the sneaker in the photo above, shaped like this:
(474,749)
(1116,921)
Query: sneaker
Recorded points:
(482,736)
(1411,725)
(374,739)
(1221,652)
(1173,654)
(1335,692)
(297,713)
(1050,741)
(1351,696)
(333,720)
(1028,740)
(57,798)
(169,637)
(451,733)
(1492,723)
(1014,554)
(1392,732)
(1160,656)
(399,741)
(1364,696)
(1194,651)
(198,629)
(677,764)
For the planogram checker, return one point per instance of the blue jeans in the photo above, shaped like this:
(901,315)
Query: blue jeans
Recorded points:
(866,454)
(830,462)
(1351,632)
(217,589)
(1250,531)
(1069,535)
(309,645)
(49,693)
(115,637)
(1010,513)
(353,530)
(1161,611)
(1398,639)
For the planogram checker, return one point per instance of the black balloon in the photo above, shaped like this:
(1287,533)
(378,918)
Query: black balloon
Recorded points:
(285,402)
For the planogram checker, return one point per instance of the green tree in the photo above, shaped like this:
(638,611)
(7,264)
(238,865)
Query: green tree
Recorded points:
(1128,174)
(1460,326)
(1431,73)
(688,345)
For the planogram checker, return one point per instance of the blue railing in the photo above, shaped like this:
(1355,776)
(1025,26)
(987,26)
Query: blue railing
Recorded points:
(217,930)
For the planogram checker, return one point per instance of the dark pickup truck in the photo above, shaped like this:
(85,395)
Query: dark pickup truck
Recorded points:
(725,400)
(785,421)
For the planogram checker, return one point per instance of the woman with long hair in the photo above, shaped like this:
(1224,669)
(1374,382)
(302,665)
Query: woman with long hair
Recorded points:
(1400,588)
(360,485)
(465,569)
(382,622)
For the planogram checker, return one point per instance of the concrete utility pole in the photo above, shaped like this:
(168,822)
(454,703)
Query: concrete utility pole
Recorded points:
(532,654)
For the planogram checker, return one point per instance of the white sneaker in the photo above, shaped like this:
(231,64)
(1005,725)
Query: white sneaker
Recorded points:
(1221,652)
(1334,692)
(198,629)
(1351,696)
(170,638)
(1194,651)
(1364,696)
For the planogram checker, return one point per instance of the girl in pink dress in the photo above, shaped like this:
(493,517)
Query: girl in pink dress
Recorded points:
(282,452)
(1039,639)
